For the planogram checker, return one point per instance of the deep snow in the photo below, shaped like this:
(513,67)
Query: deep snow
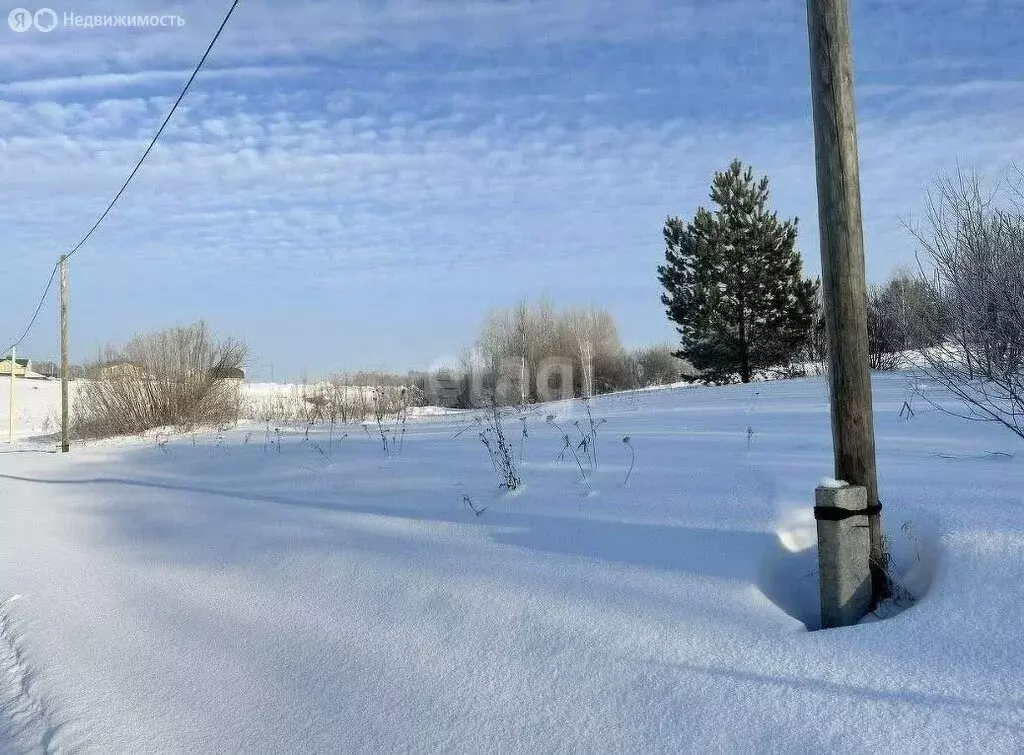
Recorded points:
(36,407)
(229,595)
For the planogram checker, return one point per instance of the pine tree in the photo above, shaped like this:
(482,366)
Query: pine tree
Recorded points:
(733,282)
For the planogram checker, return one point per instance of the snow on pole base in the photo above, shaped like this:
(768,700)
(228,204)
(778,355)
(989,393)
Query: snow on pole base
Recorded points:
(844,549)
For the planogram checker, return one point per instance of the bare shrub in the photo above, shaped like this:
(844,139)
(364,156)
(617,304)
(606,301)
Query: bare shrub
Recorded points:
(337,392)
(169,378)
(972,253)
(568,445)
(499,449)
(391,406)
(656,365)
(280,407)
(588,436)
(339,399)
(904,314)
(883,331)
(361,395)
(450,387)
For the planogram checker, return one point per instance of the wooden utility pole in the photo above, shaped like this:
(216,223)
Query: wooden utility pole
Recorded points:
(65,444)
(842,259)
(14,365)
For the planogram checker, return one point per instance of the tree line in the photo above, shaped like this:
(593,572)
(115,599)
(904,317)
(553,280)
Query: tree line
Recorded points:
(735,290)
(533,352)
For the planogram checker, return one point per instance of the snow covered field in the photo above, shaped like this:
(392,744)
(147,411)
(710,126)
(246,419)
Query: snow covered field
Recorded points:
(228,594)
(37,403)
(36,407)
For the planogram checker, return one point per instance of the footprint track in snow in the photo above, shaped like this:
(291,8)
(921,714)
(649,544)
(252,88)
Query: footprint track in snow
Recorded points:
(25,719)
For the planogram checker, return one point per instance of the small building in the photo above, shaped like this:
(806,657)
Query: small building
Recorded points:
(21,366)
(120,371)
(227,373)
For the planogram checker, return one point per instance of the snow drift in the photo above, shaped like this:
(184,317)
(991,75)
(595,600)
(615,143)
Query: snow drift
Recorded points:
(228,593)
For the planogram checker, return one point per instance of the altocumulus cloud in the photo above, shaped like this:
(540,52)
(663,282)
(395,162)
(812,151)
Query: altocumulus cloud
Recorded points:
(355,183)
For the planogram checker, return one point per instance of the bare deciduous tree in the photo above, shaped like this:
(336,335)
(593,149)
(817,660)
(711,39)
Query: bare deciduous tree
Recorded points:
(517,345)
(904,314)
(972,252)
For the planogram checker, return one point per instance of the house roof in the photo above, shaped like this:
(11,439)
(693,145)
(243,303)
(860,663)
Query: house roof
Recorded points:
(227,372)
(19,361)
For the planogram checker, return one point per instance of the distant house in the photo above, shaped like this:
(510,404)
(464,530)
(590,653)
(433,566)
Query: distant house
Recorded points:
(119,371)
(21,367)
(125,370)
(227,373)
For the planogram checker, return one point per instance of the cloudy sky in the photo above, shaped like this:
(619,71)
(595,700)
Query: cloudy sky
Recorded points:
(353,183)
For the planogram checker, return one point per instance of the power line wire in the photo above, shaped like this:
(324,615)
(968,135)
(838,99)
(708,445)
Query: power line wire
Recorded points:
(135,170)
(49,283)
(163,125)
